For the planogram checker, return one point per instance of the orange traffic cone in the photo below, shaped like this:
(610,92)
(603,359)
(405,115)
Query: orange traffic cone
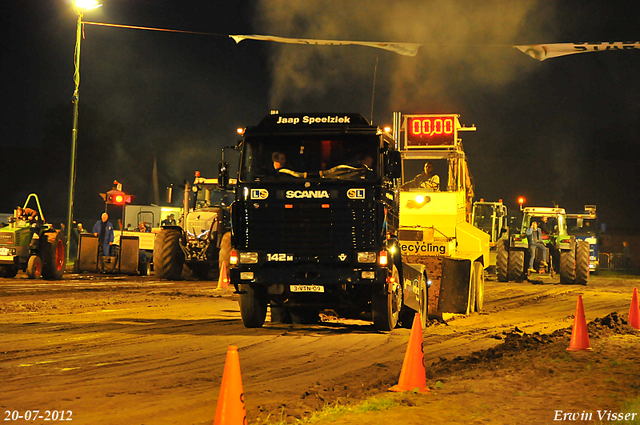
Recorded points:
(413,376)
(634,310)
(230,410)
(579,334)
(223,279)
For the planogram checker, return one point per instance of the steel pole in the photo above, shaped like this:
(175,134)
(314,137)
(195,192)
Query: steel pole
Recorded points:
(74,132)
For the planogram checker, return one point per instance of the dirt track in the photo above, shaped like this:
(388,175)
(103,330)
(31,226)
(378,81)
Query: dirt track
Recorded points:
(116,350)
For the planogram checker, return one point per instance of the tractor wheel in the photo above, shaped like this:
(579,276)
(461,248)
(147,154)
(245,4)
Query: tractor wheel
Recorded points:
(502,260)
(253,306)
(53,254)
(170,255)
(516,265)
(582,262)
(34,267)
(567,266)
(280,314)
(158,271)
(479,274)
(386,305)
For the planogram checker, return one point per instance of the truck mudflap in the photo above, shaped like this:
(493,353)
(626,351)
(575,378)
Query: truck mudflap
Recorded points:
(453,294)
(449,282)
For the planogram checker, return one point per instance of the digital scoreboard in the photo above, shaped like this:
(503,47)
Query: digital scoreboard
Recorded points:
(431,130)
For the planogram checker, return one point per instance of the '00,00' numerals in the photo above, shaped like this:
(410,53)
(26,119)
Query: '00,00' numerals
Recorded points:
(47,415)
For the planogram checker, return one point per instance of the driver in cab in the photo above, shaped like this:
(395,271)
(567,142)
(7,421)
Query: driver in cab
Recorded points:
(425,180)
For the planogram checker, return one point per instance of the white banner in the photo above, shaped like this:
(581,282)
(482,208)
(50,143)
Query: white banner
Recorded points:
(547,51)
(406,49)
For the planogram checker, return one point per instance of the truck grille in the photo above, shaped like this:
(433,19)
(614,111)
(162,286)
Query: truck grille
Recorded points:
(310,230)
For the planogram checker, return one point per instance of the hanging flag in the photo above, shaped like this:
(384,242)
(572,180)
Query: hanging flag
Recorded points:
(547,51)
(406,49)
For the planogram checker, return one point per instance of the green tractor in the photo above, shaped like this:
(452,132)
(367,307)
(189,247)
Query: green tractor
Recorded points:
(31,245)
(567,256)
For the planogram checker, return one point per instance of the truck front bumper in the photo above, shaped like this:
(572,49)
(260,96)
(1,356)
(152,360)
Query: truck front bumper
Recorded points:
(301,275)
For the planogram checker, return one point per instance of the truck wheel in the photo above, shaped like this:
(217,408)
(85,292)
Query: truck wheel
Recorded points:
(582,262)
(280,314)
(502,261)
(479,273)
(171,255)
(386,305)
(54,255)
(516,265)
(567,266)
(253,306)
(34,267)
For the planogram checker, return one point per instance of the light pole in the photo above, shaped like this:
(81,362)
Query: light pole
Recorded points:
(80,6)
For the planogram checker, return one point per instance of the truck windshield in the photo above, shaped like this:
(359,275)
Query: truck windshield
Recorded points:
(339,157)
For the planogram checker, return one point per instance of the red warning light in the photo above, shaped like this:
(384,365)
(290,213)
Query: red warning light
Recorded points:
(521,200)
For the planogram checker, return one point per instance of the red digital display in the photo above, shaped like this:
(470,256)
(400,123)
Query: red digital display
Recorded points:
(431,130)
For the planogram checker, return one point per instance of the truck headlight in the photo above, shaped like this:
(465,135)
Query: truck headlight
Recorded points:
(367,257)
(248,258)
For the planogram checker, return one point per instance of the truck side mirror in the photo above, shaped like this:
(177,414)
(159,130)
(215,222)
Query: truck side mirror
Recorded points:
(223,175)
(392,165)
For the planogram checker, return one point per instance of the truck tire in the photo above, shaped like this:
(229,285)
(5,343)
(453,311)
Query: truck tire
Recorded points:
(386,305)
(479,273)
(34,267)
(582,262)
(502,261)
(53,255)
(568,266)
(170,254)
(516,265)
(253,306)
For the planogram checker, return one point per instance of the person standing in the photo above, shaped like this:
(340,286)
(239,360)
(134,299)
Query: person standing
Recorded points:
(534,237)
(103,229)
(626,254)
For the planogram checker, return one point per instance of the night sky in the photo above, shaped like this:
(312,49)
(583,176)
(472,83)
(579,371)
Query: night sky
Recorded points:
(564,131)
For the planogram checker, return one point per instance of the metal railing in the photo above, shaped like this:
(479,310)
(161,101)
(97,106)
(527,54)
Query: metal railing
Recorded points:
(612,261)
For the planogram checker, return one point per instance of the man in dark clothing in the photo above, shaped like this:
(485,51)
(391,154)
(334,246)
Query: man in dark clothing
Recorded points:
(103,229)
(545,226)
(534,237)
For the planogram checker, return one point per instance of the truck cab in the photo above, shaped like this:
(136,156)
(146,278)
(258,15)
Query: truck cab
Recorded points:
(314,220)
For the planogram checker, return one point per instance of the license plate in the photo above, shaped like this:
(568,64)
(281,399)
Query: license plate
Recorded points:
(4,251)
(306,288)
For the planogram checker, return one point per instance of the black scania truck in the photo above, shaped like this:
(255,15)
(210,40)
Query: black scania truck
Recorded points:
(315,220)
